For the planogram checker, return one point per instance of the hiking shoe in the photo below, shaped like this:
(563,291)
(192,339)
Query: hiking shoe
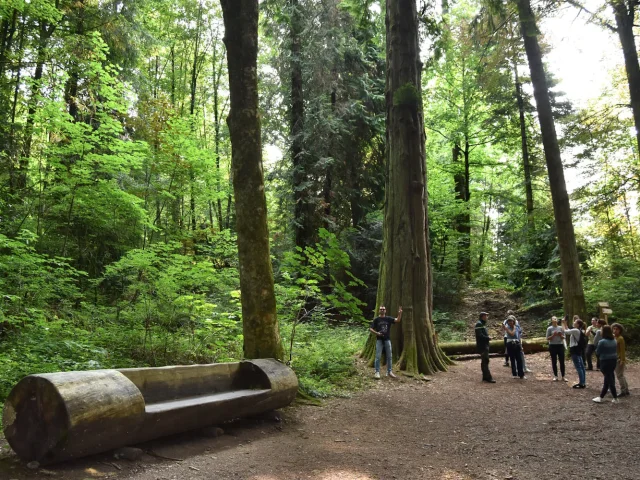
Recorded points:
(376,375)
(598,399)
(555,379)
(615,400)
(391,374)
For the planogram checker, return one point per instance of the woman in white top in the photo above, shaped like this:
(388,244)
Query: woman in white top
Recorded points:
(555,336)
(575,349)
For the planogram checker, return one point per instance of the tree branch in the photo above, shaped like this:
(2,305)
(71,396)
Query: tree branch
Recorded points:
(598,20)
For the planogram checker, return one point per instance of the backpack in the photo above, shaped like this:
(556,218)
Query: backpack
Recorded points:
(582,342)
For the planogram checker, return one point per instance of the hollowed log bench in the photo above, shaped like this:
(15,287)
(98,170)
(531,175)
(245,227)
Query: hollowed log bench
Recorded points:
(58,416)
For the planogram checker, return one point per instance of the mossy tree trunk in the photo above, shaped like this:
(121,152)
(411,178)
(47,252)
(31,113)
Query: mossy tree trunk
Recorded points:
(260,324)
(405,267)
(572,291)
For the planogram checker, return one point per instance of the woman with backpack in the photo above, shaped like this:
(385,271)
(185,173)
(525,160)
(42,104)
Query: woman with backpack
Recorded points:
(608,351)
(577,343)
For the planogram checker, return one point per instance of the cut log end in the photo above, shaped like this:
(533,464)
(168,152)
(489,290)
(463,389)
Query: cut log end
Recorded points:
(35,418)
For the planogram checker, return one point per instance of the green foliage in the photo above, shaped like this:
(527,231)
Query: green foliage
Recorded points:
(53,346)
(324,358)
(447,328)
(615,280)
(316,282)
(160,291)
(33,286)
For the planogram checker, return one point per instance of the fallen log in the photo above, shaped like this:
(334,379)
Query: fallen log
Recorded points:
(58,416)
(531,345)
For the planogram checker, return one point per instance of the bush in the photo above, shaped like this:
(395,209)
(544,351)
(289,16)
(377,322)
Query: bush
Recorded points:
(616,280)
(448,329)
(324,357)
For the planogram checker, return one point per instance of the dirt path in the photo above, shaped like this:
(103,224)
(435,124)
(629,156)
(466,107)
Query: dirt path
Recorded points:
(454,427)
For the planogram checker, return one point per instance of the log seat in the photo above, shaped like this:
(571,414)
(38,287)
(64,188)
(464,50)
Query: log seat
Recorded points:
(58,416)
(201,400)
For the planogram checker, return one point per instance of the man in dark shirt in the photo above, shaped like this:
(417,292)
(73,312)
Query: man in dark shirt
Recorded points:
(482,345)
(381,328)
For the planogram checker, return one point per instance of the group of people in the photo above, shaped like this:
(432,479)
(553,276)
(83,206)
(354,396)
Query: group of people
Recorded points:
(609,346)
(606,341)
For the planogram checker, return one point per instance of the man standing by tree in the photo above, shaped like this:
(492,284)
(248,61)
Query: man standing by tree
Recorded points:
(482,345)
(381,328)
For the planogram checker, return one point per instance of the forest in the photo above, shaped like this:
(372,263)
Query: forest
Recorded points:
(118,218)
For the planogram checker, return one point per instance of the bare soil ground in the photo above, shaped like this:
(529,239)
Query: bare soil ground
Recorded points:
(453,427)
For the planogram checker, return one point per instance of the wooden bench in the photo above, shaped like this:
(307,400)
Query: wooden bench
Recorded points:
(54,417)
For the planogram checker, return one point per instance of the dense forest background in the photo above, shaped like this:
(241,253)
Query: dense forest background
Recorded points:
(117,228)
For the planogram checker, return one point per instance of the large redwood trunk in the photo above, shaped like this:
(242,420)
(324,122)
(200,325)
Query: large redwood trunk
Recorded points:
(260,324)
(572,291)
(405,270)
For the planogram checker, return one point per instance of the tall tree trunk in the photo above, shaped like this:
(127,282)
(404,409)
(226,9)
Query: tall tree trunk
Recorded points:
(71,86)
(45,33)
(260,324)
(624,20)
(303,209)
(173,75)
(525,151)
(12,149)
(7,32)
(327,187)
(463,219)
(217,73)
(192,111)
(355,194)
(572,291)
(486,224)
(405,267)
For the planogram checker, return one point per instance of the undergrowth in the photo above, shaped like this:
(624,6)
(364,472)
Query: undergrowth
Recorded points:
(323,357)
(449,329)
